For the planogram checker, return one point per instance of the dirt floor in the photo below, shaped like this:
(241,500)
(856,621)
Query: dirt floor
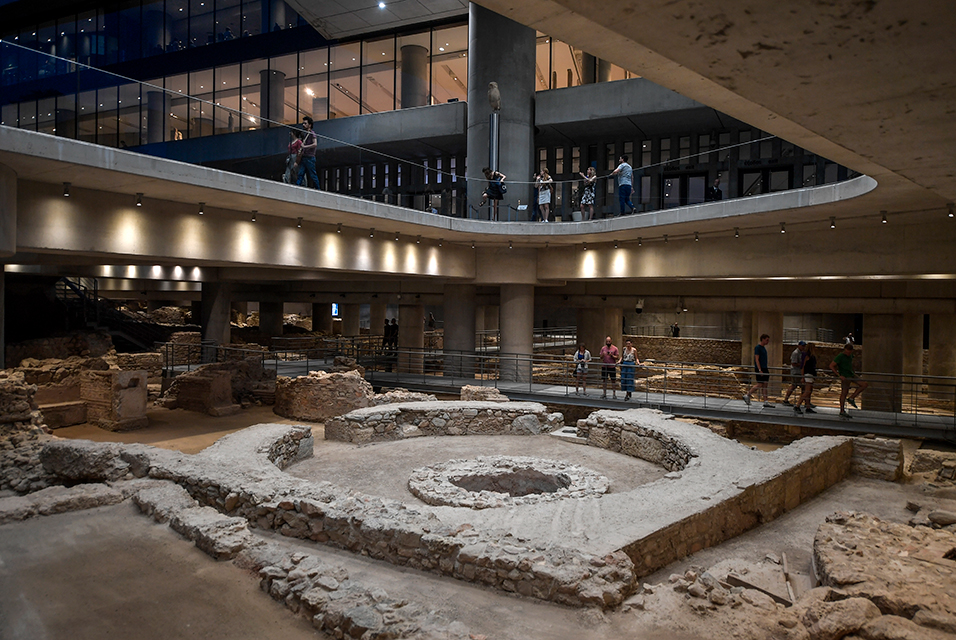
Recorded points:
(110,572)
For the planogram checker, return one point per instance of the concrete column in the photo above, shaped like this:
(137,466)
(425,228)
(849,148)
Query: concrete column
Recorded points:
(747,338)
(411,338)
(322,317)
(376,317)
(882,354)
(272,96)
(414,76)
(911,338)
(588,70)
(479,325)
(195,310)
(459,330)
(491,318)
(156,114)
(503,51)
(771,323)
(270,318)
(516,317)
(942,351)
(350,319)
(215,312)
(274,17)
(595,324)
(604,71)
(8,211)
(154,31)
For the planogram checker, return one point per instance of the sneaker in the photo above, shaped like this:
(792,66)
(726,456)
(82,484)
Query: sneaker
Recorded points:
(852,403)
(768,405)
(811,405)
(747,399)
(809,410)
(604,396)
(787,403)
(627,396)
(845,415)
(797,411)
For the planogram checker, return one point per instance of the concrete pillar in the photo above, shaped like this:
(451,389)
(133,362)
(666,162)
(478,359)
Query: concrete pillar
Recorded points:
(604,71)
(747,338)
(414,76)
(322,317)
(275,17)
(503,51)
(491,318)
(595,324)
(195,310)
(156,115)
(942,351)
(411,338)
(588,68)
(479,325)
(272,97)
(270,318)
(459,330)
(753,325)
(154,31)
(350,319)
(516,318)
(215,312)
(882,354)
(8,211)
(911,338)
(376,317)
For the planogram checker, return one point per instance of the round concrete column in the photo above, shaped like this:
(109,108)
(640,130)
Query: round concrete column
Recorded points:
(596,324)
(588,70)
(503,51)
(882,354)
(414,76)
(459,330)
(215,312)
(8,211)
(275,17)
(156,114)
(272,96)
(942,350)
(516,318)
(270,319)
(376,318)
(154,32)
(411,338)
(912,341)
(350,314)
(322,317)
(604,71)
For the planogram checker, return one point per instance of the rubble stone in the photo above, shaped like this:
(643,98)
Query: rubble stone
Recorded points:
(878,458)
(487,394)
(320,395)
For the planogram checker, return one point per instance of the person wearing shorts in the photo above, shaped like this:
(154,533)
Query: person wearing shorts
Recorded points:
(581,359)
(842,366)
(809,374)
(609,359)
(761,371)
(796,371)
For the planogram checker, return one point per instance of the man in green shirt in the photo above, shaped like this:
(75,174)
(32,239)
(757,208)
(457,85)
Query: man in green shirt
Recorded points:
(842,366)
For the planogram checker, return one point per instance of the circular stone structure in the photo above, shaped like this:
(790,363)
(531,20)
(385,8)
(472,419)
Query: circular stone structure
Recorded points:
(498,481)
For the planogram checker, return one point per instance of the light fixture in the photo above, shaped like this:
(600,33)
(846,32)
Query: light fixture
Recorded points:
(510,246)
(665,238)
(381,5)
(883,217)
(202,208)
(66,194)
(440,241)
(832,222)
(640,242)
(371,232)
(736,232)
(298,223)
(615,244)
(418,240)
(472,245)
(254,212)
(139,199)
(585,246)
(696,237)
(951,207)
(339,228)
(396,236)
(783,227)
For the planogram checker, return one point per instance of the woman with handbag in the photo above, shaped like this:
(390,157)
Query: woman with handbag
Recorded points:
(495,191)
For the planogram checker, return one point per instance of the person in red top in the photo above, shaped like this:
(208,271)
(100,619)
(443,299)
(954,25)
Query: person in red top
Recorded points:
(610,356)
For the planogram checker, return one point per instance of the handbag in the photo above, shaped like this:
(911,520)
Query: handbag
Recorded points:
(502,187)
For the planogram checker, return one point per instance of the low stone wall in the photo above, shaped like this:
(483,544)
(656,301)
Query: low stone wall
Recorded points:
(662,349)
(115,400)
(320,395)
(186,348)
(636,440)
(151,362)
(82,343)
(408,420)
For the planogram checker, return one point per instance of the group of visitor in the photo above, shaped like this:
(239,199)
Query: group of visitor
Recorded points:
(611,357)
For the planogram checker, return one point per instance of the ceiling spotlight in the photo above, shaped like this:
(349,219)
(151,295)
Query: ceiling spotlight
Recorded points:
(440,241)
(298,223)
(254,212)
(585,246)
(950,205)
(883,217)
(832,222)
(472,245)
(381,5)
(66,194)
(418,240)
(139,199)
(510,246)
(396,236)
(371,232)
(338,229)
(665,238)
(615,244)
(202,208)
(696,237)
(736,232)
(783,227)
(640,242)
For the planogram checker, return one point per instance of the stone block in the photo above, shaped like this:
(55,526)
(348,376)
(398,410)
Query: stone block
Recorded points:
(319,395)
(878,458)
(63,414)
(209,393)
(115,400)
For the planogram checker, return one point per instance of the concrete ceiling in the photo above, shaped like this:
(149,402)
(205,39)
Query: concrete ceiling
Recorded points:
(869,84)
(346,18)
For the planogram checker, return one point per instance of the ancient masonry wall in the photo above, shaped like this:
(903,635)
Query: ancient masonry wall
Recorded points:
(750,506)
(85,344)
(238,476)
(407,420)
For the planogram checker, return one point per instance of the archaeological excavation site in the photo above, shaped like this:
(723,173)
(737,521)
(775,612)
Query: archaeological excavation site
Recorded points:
(337,510)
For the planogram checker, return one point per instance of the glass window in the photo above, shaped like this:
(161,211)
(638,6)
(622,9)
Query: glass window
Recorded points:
(610,158)
(542,160)
(66,44)
(129,126)
(378,75)
(751,182)
(809,175)
(129,32)
(201,28)
(723,141)
(565,63)
(542,66)
(645,198)
(646,153)
(344,89)
(200,113)
(155,30)
(779,180)
(47,64)
(830,173)
(86,123)
(9,116)
(28,115)
(178,89)
(46,115)
(450,64)
(558,160)
(766,149)
(743,151)
(412,70)
(684,149)
(695,189)
(227,99)
(106,116)
(671,193)
(250,75)
(314,84)
(288,67)
(177,24)
(251,18)
(228,20)
(665,149)
(787,149)
(575,160)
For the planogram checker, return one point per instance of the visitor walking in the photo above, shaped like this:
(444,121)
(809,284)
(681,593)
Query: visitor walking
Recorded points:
(629,362)
(545,186)
(292,160)
(587,195)
(675,330)
(624,175)
(809,373)
(761,372)
(581,359)
(842,366)
(796,371)
(307,155)
(610,356)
